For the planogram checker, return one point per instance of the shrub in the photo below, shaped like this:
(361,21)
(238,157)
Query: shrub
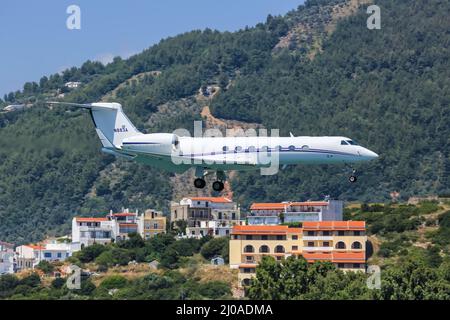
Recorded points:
(114,282)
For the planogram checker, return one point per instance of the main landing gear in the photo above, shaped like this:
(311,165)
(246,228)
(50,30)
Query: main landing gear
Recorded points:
(200,183)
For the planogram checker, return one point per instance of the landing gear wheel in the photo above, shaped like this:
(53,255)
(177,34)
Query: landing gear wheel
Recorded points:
(352,179)
(199,183)
(218,186)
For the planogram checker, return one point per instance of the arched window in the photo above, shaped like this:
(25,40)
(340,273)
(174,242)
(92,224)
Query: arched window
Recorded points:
(279,249)
(340,245)
(225,148)
(264,249)
(356,245)
(246,282)
(238,149)
(249,249)
(305,147)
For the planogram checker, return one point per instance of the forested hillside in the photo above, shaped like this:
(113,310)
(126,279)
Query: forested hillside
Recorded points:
(318,70)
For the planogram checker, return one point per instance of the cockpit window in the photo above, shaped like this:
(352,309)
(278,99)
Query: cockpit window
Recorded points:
(353,143)
(343,143)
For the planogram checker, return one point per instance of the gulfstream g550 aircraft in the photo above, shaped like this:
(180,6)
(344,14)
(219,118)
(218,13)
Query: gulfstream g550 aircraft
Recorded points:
(175,153)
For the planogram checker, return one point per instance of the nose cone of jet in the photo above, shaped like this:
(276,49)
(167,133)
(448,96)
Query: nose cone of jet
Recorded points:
(369,155)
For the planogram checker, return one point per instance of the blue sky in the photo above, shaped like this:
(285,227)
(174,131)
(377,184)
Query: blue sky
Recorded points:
(36,42)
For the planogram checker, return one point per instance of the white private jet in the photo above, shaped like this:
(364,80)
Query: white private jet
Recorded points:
(174,153)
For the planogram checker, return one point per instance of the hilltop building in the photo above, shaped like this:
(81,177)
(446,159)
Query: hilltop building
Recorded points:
(291,212)
(103,230)
(116,227)
(7,258)
(151,223)
(213,216)
(341,242)
(28,256)
(72,84)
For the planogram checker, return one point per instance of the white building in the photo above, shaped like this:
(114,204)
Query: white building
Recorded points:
(14,107)
(87,231)
(7,258)
(213,216)
(72,84)
(113,227)
(28,256)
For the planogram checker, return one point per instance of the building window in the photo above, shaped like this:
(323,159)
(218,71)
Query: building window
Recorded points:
(310,233)
(356,265)
(310,244)
(264,249)
(340,245)
(356,233)
(279,237)
(356,245)
(249,248)
(279,249)
(59,254)
(326,244)
(341,265)
(249,258)
(249,237)
(341,233)
(294,237)
(278,258)
(47,254)
(326,233)
(246,282)
(264,237)
(294,248)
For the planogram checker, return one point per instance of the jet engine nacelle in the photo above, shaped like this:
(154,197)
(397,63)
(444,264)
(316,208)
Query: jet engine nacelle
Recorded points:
(153,142)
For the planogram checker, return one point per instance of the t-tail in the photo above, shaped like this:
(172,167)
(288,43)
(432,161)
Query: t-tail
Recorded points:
(111,123)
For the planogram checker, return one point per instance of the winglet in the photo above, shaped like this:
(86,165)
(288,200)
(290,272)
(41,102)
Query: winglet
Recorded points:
(292,136)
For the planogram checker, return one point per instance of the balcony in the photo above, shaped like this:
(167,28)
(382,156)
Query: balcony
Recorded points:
(317,238)
(315,249)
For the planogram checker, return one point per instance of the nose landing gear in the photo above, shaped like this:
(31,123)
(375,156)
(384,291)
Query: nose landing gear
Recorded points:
(353,178)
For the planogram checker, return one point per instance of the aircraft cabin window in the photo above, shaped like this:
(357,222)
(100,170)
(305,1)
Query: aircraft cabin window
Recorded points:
(225,148)
(237,149)
(278,148)
(291,148)
(351,142)
(305,147)
(251,149)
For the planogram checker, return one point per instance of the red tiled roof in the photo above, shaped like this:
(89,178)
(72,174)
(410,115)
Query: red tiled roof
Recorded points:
(83,219)
(35,247)
(349,257)
(335,225)
(263,230)
(212,199)
(336,257)
(310,203)
(124,214)
(268,206)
